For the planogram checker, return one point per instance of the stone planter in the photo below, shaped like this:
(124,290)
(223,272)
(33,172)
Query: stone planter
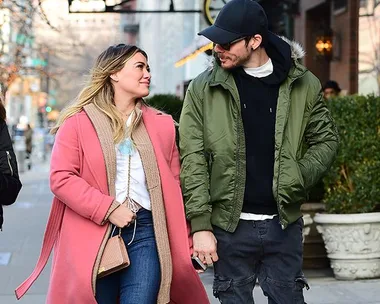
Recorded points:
(307,221)
(314,251)
(352,242)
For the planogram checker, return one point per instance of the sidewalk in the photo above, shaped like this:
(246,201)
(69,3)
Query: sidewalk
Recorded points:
(22,236)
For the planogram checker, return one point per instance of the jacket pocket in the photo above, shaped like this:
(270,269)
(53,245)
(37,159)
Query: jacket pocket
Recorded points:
(300,175)
(304,176)
(292,187)
(301,179)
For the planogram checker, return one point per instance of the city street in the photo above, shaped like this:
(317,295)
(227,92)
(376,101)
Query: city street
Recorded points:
(23,231)
(275,104)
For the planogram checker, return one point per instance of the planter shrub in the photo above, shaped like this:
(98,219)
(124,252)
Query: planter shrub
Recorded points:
(168,103)
(353,183)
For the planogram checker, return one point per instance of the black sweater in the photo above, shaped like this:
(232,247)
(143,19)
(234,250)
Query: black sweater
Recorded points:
(258,97)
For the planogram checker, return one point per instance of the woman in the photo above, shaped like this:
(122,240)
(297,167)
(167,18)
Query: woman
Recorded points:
(108,126)
(10,184)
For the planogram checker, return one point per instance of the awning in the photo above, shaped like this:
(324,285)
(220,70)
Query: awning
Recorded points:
(198,46)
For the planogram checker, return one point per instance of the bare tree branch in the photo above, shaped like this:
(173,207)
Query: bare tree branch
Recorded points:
(44,17)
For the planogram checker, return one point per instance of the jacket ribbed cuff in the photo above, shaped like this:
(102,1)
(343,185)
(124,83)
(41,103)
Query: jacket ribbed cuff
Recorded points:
(201,222)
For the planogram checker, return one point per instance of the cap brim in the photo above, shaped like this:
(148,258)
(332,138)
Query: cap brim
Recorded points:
(219,35)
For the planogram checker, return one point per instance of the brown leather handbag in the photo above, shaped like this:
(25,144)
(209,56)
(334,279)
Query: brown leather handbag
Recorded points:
(115,256)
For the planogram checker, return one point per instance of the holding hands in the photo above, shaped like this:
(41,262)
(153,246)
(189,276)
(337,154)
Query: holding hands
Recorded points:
(204,243)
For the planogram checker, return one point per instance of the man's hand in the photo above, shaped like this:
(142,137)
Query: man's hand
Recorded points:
(204,243)
(122,216)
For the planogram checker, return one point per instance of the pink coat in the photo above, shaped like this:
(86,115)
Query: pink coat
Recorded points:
(76,231)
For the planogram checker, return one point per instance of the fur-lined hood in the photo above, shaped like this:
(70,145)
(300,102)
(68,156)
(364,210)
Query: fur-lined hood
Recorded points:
(296,48)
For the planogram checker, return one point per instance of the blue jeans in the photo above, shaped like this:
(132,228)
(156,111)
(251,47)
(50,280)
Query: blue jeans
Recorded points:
(260,250)
(140,282)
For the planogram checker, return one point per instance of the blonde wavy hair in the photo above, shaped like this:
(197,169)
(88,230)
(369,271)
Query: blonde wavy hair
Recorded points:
(100,91)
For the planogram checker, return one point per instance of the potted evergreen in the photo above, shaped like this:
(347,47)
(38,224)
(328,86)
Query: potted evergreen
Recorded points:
(168,103)
(351,225)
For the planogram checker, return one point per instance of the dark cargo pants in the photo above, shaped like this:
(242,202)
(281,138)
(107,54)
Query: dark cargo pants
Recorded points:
(260,250)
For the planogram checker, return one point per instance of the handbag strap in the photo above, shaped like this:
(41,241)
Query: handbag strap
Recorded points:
(131,204)
(129,174)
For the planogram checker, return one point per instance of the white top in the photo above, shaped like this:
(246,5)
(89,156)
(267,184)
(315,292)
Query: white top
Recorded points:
(259,72)
(262,71)
(256,217)
(138,188)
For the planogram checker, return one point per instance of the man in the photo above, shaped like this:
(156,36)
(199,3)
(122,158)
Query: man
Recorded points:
(243,131)
(331,89)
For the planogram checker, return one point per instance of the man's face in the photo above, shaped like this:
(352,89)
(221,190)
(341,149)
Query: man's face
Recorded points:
(237,55)
(329,93)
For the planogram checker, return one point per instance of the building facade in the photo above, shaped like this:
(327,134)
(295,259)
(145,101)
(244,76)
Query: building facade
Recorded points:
(164,36)
(369,47)
(80,36)
(19,78)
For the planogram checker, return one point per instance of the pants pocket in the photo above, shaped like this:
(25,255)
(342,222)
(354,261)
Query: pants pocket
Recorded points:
(230,291)
(300,284)
(222,289)
(285,292)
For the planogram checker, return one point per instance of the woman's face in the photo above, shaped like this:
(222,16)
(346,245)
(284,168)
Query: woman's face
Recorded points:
(134,77)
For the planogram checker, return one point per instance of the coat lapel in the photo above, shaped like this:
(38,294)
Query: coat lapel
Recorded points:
(102,126)
(147,153)
(160,128)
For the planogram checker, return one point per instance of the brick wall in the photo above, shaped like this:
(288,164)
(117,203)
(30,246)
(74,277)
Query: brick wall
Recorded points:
(345,70)
(315,20)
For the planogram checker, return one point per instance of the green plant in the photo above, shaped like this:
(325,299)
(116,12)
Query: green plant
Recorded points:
(353,183)
(167,103)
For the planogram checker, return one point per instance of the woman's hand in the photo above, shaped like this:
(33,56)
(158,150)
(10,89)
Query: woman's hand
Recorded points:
(122,216)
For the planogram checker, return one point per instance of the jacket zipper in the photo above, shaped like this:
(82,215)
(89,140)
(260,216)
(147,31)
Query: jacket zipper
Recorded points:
(9,162)
(238,144)
(283,223)
(281,218)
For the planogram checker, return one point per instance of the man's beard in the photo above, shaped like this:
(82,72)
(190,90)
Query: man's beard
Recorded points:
(236,61)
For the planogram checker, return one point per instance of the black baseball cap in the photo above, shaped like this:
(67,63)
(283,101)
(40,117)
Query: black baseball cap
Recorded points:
(238,18)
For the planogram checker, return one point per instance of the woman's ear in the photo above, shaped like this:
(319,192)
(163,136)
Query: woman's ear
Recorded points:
(114,77)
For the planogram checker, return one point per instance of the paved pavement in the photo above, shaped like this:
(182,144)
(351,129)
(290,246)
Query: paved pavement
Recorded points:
(22,236)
